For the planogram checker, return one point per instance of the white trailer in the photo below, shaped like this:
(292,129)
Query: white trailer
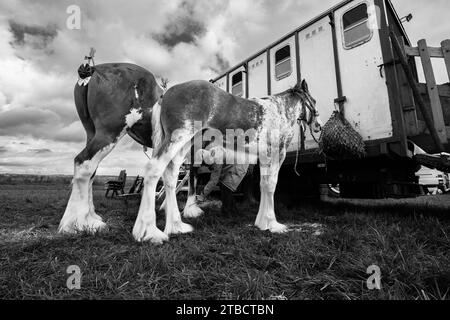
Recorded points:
(347,57)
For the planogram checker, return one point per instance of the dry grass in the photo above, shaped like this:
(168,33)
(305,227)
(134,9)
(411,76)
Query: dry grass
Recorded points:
(225,259)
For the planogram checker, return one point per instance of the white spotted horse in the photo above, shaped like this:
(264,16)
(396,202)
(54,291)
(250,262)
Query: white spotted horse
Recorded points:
(117,100)
(176,129)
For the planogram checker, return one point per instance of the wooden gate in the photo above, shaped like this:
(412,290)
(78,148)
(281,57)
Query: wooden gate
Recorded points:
(432,124)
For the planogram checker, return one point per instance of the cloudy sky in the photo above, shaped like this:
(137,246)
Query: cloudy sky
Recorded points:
(177,39)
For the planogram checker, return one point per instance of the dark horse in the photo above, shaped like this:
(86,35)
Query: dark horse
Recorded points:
(118,100)
(190,110)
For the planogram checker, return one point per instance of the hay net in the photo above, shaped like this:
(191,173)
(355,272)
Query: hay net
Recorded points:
(339,140)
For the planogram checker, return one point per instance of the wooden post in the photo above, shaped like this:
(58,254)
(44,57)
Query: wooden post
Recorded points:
(417,96)
(446,51)
(433,92)
(409,110)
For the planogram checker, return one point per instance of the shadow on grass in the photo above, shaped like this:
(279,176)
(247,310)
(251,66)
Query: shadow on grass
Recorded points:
(392,207)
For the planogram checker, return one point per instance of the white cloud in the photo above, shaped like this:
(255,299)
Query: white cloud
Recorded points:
(72,133)
(38,75)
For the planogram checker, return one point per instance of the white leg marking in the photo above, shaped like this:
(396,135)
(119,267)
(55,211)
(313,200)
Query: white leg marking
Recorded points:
(145,227)
(79,215)
(80,211)
(266,219)
(174,225)
(192,210)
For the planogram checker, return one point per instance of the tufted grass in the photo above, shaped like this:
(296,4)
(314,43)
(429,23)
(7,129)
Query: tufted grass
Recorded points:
(225,258)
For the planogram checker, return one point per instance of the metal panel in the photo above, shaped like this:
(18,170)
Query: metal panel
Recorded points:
(221,83)
(257,74)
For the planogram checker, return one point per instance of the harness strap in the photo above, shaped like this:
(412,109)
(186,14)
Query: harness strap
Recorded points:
(300,143)
(302,131)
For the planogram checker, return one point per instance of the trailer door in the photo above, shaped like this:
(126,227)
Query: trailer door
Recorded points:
(359,50)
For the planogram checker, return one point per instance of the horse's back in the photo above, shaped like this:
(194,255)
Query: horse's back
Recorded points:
(193,92)
(202,101)
(123,76)
(192,101)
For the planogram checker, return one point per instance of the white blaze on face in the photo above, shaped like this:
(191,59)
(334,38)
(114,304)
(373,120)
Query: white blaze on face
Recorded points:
(133,117)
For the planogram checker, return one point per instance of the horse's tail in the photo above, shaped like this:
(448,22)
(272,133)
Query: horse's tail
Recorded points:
(157,127)
(81,103)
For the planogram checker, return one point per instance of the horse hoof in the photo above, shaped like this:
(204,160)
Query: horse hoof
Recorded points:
(192,212)
(94,226)
(67,229)
(95,216)
(91,224)
(178,228)
(149,233)
(278,228)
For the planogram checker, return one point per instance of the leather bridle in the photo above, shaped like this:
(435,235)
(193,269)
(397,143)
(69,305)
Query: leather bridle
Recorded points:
(307,102)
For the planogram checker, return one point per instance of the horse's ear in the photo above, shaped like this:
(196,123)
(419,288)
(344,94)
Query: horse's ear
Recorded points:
(304,86)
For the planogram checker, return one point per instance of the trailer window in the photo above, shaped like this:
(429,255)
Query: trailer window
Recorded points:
(237,85)
(356,27)
(283,66)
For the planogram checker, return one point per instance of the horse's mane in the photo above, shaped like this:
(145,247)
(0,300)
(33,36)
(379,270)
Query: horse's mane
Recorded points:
(294,92)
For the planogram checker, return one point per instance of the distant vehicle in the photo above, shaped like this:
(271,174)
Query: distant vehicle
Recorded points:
(433,179)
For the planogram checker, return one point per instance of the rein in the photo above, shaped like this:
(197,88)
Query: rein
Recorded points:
(302,131)
(299,145)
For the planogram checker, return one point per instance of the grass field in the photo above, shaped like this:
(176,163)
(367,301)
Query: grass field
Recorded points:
(226,259)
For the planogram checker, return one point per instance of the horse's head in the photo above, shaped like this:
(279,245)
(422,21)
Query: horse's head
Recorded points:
(309,115)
